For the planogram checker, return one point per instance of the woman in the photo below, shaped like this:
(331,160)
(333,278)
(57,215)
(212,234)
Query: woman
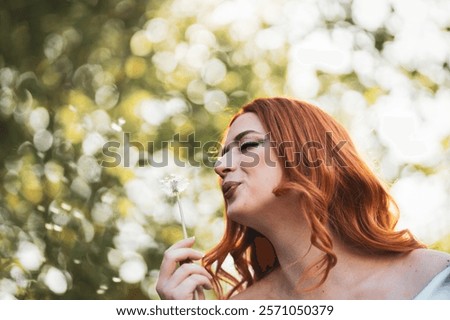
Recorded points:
(305,219)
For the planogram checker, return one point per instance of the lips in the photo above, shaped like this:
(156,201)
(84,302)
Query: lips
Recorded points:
(229,188)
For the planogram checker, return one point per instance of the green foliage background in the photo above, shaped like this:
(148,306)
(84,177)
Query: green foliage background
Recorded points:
(91,64)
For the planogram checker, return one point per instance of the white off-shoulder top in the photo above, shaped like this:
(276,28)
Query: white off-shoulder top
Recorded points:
(438,288)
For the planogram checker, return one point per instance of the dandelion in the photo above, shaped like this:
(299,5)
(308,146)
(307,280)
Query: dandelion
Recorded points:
(174,185)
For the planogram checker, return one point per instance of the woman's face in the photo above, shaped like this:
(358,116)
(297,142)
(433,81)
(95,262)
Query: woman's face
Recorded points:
(249,170)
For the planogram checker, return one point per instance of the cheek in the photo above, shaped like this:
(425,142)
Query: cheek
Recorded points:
(262,185)
(269,177)
(263,175)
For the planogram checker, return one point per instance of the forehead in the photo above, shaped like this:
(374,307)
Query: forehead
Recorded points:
(246,121)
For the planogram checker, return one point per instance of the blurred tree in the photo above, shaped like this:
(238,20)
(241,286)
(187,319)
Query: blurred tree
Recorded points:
(155,76)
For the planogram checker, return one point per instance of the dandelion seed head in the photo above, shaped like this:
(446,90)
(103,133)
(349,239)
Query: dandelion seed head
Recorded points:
(174,184)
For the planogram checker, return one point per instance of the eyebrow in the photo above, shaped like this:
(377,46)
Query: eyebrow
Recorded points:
(238,137)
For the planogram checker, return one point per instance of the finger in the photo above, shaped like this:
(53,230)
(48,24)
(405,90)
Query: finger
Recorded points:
(185,271)
(200,293)
(173,257)
(185,243)
(187,287)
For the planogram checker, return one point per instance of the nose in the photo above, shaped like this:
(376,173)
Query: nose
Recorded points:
(225,164)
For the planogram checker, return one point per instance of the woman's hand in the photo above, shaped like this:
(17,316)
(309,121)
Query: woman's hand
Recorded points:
(178,279)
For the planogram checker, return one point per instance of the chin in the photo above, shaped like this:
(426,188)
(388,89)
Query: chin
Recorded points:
(234,213)
(241,216)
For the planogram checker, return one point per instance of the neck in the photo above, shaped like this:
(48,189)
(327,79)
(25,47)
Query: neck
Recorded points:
(290,238)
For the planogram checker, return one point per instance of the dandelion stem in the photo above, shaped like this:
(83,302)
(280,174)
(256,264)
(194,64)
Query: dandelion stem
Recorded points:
(175,185)
(183,223)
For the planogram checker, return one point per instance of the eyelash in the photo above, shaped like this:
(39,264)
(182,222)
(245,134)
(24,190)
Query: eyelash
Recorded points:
(250,144)
(243,147)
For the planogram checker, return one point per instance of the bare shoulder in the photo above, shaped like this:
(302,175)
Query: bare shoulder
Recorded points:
(263,289)
(255,292)
(412,272)
(428,256)
(427,263)
(248,294)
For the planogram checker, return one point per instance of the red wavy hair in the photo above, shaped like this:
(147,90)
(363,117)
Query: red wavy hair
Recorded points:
(343,197)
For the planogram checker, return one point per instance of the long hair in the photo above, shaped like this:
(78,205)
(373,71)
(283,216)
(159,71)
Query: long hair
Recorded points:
(339,196)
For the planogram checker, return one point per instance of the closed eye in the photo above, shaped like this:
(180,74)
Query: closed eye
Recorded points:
(243,147)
